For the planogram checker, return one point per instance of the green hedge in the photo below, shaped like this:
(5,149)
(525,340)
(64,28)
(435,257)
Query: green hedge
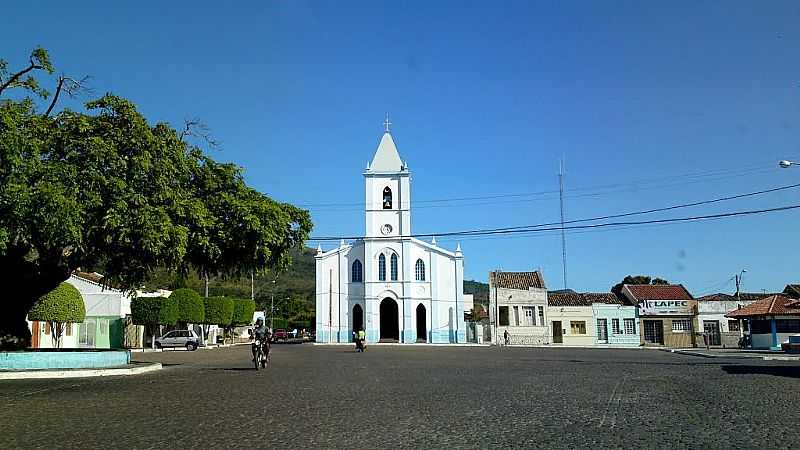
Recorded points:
(219,311)
(63,304)
(280,323)
(189,304)
(154,311)
(243,309)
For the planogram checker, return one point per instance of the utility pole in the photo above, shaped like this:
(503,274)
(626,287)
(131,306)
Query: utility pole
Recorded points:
(563,232)
(252,286)
(739,282)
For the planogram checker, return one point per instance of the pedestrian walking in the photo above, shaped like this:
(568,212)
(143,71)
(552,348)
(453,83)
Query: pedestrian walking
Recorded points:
(506,337)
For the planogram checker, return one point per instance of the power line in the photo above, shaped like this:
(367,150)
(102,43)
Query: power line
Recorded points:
(538,227)
(635,184)
(590,226)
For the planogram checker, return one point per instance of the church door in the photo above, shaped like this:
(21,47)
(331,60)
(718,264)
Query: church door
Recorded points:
(422,330)
(358,318)
(390,329)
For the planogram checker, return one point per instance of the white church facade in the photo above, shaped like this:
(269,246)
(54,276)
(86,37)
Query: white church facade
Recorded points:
(395,287)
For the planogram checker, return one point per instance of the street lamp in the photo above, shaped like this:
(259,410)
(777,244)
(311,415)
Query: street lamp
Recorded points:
(785,164)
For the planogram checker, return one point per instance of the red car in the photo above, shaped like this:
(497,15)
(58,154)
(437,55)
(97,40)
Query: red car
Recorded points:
(280,335)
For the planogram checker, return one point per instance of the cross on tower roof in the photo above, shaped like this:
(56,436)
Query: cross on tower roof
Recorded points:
(386,123)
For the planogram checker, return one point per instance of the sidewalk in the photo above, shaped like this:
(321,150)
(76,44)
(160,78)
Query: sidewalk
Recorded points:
(130,369)
(731,353)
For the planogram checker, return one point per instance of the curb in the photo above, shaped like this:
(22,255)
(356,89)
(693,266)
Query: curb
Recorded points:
(395,344)
(782,358)
(79,373)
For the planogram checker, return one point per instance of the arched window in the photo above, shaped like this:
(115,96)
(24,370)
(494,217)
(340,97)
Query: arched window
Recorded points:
(394,267)
(387,198)
(420,270)
(382,267)
(358,272)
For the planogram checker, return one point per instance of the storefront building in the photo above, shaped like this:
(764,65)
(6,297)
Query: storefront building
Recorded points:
(718,330)
(771,320)
(666,314)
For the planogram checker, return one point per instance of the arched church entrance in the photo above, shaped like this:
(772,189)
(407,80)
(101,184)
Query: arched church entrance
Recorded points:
(422,329)
(358,318)
(390,328)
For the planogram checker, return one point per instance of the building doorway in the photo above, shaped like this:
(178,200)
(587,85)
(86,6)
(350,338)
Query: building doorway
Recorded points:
(358,318)
(711,328)
(653,332)
(422,329)
(602,331)
(558,335)
(390,329)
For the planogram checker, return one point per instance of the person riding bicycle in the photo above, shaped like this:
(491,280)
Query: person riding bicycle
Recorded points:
(261,333)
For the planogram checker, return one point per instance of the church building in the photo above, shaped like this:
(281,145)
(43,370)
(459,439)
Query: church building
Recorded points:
(395,287)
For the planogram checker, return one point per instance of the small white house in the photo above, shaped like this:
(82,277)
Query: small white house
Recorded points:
(518,308)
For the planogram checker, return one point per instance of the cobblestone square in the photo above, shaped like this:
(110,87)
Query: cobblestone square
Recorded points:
(390,396)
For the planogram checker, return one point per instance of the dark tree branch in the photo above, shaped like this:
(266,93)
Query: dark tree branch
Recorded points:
(19,74)
(72,87)
(197,129)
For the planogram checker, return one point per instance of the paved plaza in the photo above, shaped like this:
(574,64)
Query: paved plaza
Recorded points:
(390,396)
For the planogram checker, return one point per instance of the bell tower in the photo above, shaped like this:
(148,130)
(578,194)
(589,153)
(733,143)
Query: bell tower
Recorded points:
(388,191)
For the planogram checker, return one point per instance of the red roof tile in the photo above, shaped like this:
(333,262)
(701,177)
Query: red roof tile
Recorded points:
(775,305)
(517,280)
(658,292)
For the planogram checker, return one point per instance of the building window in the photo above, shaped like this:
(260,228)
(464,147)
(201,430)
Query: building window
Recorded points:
(394,267)
(46,327)
(761,327)
(615,326)
(602,329)
(516,316)
(733,325)
(630,326)
(541,316)
(681,325)
(503,319)
(577,327)
(358,272)
(68,329)
(387,198)
(529,312)
(420,270)
(381,267)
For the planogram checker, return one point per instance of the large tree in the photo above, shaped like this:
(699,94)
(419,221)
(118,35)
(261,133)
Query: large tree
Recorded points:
(104,188)
(637,279)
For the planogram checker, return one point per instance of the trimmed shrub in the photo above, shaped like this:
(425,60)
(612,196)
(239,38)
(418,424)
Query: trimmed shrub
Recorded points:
(280,323)
(219,311)
(189,304)
(62,305)
(243,309)
(153,311)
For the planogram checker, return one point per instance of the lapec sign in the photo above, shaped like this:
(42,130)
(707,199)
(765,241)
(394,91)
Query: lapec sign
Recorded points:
(665,307)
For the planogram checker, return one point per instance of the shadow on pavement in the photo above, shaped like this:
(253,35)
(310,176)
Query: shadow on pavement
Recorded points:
(778,371)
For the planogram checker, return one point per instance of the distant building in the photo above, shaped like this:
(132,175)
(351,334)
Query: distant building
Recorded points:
(792,290)
(518,305)
(573,319)
(771,320)
(718,330)
(666,314)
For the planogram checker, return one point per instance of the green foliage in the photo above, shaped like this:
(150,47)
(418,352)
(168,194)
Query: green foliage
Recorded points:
(219,311)
(63,304)
(637,279)
(152,311)
(243,309)
(104,189)
(189,305)
(480,291)
(280,323)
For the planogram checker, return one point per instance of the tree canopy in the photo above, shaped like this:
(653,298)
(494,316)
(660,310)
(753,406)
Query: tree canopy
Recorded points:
(152,311)
(189,304)
(637,279)
(243,310)
(219,311)
(62,304)
(105,188)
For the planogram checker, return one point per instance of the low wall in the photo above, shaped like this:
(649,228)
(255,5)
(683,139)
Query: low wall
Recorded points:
(63,359)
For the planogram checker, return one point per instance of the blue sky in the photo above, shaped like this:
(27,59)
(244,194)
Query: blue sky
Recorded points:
(669,102)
